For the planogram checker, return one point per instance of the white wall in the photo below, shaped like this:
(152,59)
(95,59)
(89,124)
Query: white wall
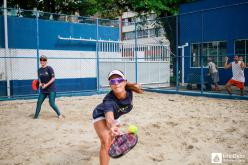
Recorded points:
(23,63)
(148,72)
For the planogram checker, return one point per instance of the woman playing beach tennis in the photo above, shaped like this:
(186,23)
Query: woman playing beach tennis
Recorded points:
(47,87)
(116,103)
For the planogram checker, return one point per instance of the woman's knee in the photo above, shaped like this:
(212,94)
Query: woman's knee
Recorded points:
(52,103)
(103,133)
(39,102)
(105,141)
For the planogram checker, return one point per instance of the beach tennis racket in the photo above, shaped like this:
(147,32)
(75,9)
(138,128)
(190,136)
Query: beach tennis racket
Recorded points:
(35,85)
(122,144)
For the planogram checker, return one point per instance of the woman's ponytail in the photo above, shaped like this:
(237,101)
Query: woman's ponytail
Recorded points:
(134,87)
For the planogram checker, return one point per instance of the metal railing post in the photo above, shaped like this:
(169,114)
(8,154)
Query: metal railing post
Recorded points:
(6,52)
(201,55)
(177,81)
(136,57)
(37,41)
(97,55)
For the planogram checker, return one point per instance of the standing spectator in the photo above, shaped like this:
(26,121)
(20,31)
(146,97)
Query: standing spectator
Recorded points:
(238,78)
(47,87)
(214,74)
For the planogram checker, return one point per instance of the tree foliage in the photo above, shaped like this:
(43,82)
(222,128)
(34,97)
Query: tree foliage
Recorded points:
(84,7)
(104,8)
(110,9)
(114,8)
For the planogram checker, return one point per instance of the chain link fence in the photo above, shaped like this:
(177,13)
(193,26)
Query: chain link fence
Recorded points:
(206,39)
(155,45)
(32,34)
(178,53)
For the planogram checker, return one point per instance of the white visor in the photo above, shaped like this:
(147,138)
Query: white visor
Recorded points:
(117,72)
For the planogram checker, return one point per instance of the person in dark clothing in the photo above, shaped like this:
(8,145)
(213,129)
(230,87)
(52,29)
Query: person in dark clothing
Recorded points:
(47,87)
(117,102)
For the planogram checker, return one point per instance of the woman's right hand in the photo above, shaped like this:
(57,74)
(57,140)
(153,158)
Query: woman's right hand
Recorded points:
(115,131)
(41,85)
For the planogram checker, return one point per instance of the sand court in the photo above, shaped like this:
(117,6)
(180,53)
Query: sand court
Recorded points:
(173,129)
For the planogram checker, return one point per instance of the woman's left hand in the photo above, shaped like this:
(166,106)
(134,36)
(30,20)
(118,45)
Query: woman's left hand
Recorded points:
(43,86)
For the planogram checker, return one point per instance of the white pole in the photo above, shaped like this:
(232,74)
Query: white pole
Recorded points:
(182,66)
(182,47)
(6,47)
(120,28)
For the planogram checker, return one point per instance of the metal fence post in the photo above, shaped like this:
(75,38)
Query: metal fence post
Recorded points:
(6,50)
(177,83)
(136,60)
(201,55)
(37,41)
(37,44)
(97,55)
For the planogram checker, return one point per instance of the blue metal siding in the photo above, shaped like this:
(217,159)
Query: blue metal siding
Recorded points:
(75,84)
(206,4)
(224,24)
(2,45)
(20,87)
(3,88)
(24,37)
(23,87)
(22,33)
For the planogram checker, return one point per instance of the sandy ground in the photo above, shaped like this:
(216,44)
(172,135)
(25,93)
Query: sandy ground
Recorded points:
(173,130)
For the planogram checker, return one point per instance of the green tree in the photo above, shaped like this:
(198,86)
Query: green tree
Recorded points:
(114,8)
(23,4)
(84,7)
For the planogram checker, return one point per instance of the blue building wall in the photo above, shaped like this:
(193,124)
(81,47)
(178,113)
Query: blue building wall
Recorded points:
(198,5)
(220,24)
(1,32)
(22,35)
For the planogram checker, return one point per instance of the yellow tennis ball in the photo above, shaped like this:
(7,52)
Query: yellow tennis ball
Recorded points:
(132,129)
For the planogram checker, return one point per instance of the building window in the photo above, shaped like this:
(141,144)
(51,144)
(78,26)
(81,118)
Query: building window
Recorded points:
(142,34)
(241,49)
(195,55)
(217,50)
(129,35)
(156,32)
